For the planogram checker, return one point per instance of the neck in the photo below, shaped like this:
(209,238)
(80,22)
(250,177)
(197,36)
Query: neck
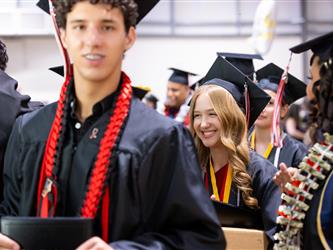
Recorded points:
(263,135)
(219,156)
(262,140)
(88,93)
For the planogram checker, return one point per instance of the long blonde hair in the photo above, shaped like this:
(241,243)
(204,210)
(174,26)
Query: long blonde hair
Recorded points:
(233,137)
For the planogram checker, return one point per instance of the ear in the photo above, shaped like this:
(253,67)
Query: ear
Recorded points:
(284,111)
(63,37)
(131,38)
(188,89)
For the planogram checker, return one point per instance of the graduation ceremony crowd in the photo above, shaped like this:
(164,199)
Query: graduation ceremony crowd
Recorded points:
(150,174)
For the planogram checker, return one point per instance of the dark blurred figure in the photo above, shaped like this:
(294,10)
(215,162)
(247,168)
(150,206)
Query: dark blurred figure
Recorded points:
(150,100)
(12,104)
(293,123)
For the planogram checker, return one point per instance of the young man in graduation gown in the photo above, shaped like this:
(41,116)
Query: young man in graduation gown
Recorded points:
(317,232)
(12,104)
(290,151)
(178,94)
(100,152)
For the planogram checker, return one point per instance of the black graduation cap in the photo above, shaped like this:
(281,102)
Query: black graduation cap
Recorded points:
(138,91)
(180,76)
(152,98)
(269,78)
(58,69)
(234,81)
(321,46)
(144,6)
(198,83)
(244,62)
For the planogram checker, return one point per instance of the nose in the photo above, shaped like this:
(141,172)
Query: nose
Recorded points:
(93,37)
(204,123)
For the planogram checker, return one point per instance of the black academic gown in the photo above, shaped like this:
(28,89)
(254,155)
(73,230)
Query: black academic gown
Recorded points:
(264,189)
(12,104)
(291,153)
(157,200)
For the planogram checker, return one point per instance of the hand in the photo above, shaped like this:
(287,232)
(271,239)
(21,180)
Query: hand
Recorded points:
(6,243)
(94,243)
(284,175)
(212,197)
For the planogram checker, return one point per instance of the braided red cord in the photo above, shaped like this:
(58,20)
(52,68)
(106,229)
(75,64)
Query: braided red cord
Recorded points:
(53,138)
(52,141)
(99,172)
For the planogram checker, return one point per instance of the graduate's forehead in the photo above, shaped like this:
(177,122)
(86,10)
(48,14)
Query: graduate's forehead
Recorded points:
(271,93)
(203,103)
(85,11)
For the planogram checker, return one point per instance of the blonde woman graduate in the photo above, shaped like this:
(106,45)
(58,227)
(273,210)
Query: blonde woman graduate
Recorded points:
(232,173)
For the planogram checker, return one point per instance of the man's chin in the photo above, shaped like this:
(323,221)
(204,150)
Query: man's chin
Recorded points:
(171,104)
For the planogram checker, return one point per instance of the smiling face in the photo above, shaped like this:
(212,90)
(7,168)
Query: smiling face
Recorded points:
(176,94)
(96,39)
(206,123)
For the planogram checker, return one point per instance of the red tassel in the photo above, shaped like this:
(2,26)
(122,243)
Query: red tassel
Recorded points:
(247,104)
(276,132)
(105,214)
(44,211)
(277,108)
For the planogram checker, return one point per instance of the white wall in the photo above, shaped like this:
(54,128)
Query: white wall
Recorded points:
(146,63)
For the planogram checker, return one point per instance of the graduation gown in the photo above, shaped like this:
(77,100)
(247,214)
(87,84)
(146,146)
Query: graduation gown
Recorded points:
(291,153)
(157,200)
(264,189)
(12,104)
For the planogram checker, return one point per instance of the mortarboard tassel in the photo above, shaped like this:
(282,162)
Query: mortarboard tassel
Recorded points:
(247,103)
(276,133)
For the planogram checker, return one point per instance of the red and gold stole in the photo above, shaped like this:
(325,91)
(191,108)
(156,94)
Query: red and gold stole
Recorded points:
(220,182)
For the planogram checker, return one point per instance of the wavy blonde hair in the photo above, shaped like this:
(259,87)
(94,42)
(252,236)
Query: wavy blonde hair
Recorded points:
(233,137)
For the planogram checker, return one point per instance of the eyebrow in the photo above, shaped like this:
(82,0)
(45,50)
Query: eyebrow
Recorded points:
(109,21)
(207,110)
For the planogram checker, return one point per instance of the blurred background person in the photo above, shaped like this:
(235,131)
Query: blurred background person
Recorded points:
(178,94)
(12,104)
(291,151)
(293,122)
(151,100)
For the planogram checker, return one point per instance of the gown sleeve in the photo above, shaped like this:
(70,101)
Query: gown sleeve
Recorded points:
(295,149)
(175,208)
(266,191)
(12,174)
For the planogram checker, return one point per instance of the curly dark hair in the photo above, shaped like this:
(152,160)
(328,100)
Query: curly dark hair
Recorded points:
(129,9)
(3,56)
(321,118)
(325,99)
